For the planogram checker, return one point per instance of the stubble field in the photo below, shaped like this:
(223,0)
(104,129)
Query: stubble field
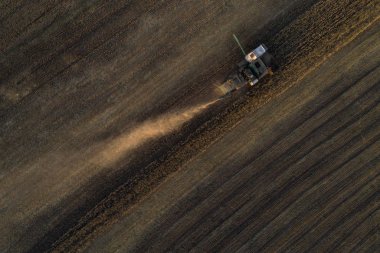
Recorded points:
(292,166)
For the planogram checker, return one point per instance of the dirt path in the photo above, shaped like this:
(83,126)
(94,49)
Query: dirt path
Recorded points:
(299,175)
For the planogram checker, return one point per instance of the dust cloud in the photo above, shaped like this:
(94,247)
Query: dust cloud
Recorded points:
(148,130)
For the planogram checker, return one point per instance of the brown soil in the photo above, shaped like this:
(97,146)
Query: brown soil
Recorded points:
(76,75)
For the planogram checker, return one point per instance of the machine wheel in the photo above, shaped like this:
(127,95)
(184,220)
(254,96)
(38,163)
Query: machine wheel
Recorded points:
(269,60)
(274,65)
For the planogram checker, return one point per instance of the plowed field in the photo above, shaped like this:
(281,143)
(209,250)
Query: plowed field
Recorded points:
(291,166)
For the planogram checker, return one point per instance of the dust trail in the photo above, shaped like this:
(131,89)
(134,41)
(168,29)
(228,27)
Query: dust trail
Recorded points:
(148,130)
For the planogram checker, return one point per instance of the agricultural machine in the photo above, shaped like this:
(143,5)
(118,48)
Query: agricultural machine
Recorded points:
(256,64)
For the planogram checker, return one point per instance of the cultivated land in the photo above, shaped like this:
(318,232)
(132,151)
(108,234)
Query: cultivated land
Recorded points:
(295,172)
(299,175)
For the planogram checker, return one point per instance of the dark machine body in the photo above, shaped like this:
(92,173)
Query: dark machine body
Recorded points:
(256,64)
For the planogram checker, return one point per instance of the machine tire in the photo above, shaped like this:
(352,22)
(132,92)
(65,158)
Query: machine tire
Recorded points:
(269,60)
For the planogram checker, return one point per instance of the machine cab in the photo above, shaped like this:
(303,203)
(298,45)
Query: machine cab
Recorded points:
(256,53)
(255,63)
